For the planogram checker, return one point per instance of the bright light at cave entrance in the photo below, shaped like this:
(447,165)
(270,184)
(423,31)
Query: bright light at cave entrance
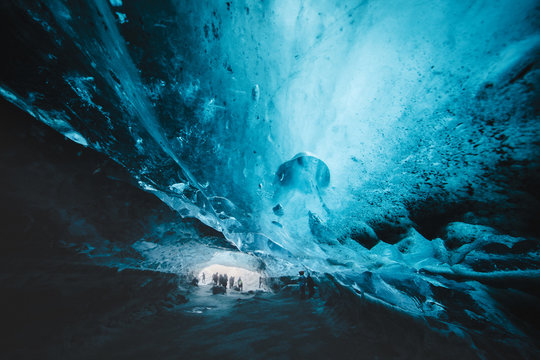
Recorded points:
(249,278)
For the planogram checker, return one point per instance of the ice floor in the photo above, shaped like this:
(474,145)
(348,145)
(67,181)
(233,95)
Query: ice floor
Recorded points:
(271,326)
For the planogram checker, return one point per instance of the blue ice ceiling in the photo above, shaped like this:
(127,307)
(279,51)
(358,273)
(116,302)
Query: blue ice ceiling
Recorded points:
(311,133)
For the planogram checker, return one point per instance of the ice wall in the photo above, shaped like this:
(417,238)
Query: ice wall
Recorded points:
(204,101)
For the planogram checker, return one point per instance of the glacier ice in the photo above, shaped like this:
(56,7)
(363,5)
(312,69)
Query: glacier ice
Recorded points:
(392,145)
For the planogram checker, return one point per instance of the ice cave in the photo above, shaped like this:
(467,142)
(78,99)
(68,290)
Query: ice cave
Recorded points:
(388,150)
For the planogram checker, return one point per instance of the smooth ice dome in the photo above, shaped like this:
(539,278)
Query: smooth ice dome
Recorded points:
(304,172)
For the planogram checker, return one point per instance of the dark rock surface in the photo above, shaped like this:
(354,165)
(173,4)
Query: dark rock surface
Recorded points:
(55,191)
(57,200)
(55,309)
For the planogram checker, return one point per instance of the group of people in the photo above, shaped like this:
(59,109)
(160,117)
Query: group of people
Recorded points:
(223,280)
(303,282)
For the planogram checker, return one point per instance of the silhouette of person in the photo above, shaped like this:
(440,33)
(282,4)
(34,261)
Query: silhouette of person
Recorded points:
(310,286)
(240,284)
(302,284)
(231,282)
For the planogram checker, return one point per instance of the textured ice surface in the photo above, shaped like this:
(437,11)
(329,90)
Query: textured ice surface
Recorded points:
(400,114)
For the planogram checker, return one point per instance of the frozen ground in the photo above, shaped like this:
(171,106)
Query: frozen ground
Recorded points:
(241,326)
(71,310)
(266,325)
